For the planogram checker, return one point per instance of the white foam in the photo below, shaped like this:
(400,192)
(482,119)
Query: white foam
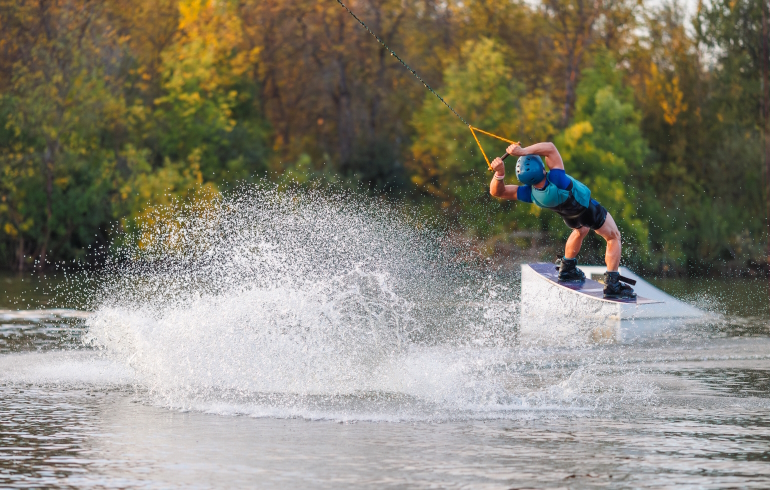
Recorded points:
(64,368)
(323,305)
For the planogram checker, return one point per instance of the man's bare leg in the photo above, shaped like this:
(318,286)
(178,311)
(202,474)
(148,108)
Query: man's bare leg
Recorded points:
(609,231)
(574,242)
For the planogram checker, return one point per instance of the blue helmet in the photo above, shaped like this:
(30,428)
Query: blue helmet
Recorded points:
(530,169)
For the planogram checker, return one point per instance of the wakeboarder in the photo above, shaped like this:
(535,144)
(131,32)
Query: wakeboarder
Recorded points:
(570,199)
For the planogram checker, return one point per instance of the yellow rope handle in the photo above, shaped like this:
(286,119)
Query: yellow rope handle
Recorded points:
(473,132)
(480,147)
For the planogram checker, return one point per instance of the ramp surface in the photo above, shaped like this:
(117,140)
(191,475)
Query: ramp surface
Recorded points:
(589,287)
(555,312)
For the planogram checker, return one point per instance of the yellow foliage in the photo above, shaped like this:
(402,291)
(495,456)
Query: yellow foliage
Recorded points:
(62,182)
(153,197)
(666,93)
(189,12)
(575,132)
(10,230)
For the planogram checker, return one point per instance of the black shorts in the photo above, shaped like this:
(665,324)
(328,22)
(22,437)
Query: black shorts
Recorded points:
(593,217)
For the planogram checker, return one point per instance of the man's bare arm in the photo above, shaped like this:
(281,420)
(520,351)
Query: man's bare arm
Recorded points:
(497,187)
(548,150)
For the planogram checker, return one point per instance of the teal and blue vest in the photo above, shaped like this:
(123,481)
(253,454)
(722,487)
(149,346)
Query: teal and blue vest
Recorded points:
(569,203)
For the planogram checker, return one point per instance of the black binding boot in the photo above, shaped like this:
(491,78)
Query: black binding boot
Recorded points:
(568,270)
(613,288)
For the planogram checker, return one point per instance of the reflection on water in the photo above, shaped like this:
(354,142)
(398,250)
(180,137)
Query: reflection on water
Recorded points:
(83,438)
(44,435)
(733,382)
(32,330)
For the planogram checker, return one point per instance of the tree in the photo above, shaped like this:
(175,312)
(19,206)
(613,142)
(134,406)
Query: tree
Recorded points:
(604,146)
(60,106)
(576,27)
(446,162)
(734,35)
(208,106)
(331,91)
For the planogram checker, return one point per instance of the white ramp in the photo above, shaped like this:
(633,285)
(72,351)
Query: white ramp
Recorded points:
(552,312)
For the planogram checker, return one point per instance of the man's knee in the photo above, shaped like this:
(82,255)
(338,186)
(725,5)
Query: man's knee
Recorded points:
(613,234)
(609,231)
(581,231)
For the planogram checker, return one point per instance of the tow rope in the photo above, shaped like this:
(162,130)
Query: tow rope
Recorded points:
(425,84)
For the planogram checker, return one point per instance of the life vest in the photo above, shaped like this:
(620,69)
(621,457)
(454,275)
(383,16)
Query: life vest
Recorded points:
(569,202)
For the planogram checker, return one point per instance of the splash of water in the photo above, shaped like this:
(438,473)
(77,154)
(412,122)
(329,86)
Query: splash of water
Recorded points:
(326,304)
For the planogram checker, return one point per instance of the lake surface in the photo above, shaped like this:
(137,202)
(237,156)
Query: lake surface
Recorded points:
(688,406)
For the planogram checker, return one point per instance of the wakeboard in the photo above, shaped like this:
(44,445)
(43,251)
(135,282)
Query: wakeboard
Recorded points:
(589,287)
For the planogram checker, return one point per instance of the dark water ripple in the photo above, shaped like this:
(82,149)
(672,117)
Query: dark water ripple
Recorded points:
(44,435)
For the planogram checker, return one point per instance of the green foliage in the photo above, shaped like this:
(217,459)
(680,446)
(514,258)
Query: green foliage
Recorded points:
(208,108)
(727,225)
(207,114)
(58,112)
(377,165)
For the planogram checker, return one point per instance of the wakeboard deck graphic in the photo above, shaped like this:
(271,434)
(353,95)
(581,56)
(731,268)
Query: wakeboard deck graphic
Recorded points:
(589,287)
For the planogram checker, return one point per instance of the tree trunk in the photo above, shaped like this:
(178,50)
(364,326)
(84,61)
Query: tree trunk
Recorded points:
(344,119)
(20,253)
(374,106)
(569,89)
(271,85)
(49,156)
(345,130)
(377,96)
(766,115)
(573,22)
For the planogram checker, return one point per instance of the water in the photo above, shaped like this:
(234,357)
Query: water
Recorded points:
(301,340)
